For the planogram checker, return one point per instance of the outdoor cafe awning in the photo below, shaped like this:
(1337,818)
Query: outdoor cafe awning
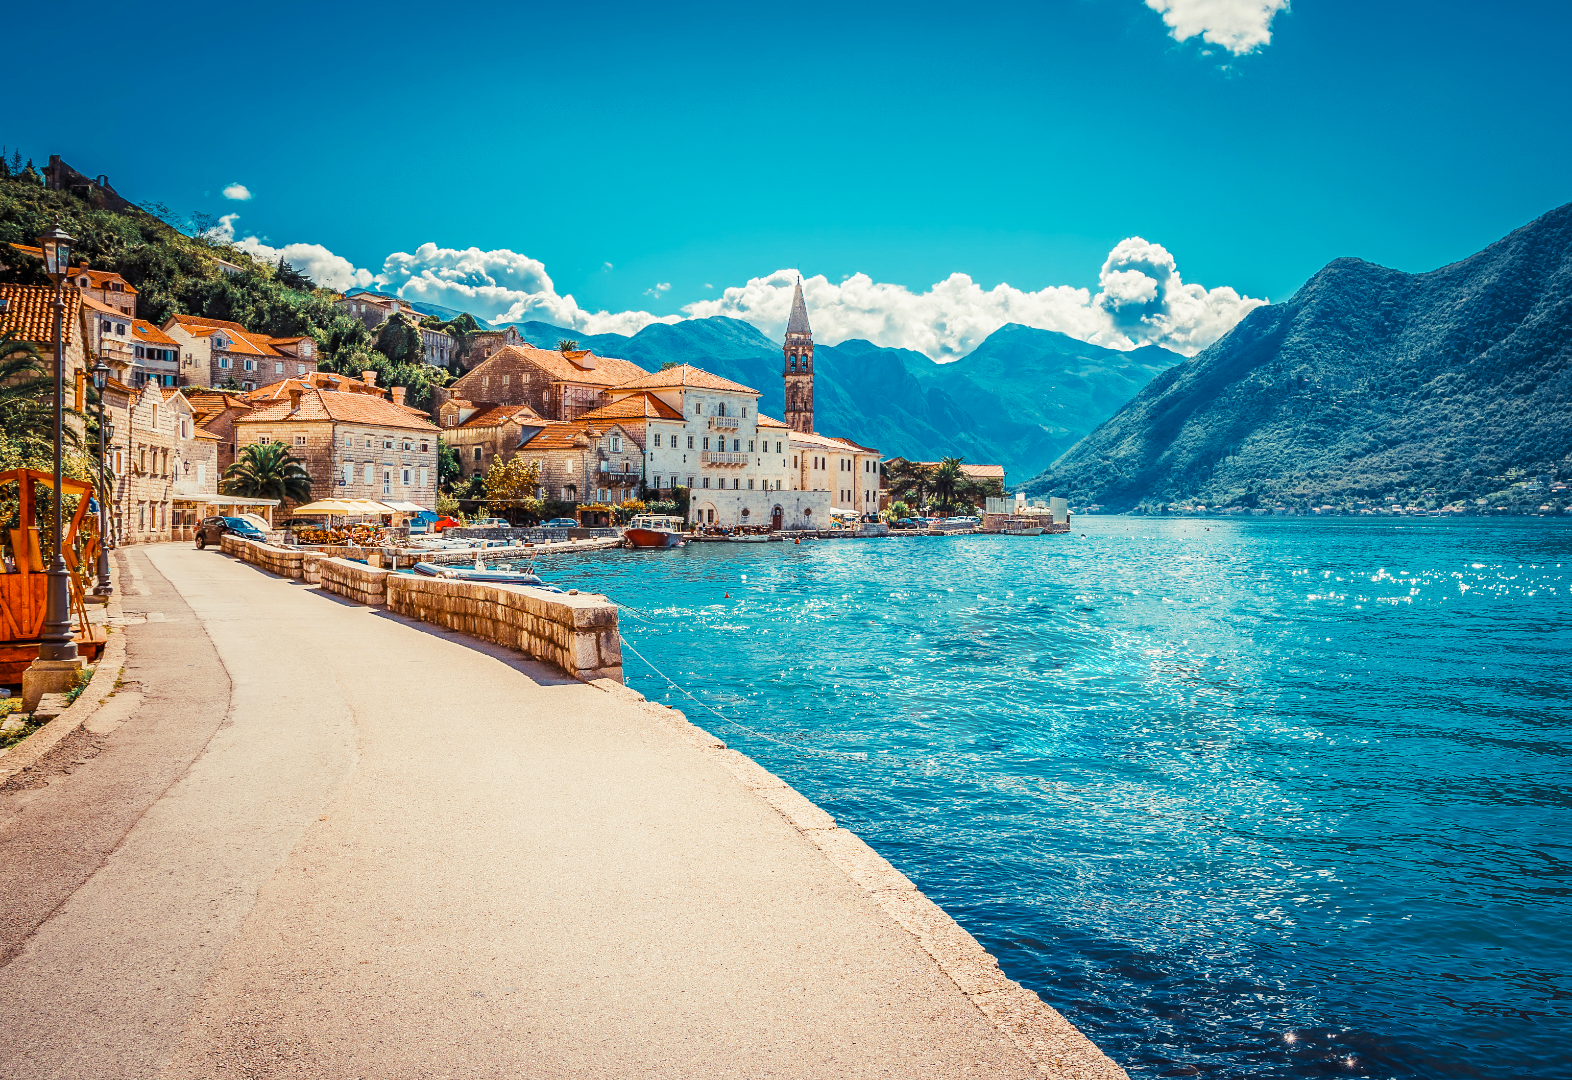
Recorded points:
(344,508)
(409,508)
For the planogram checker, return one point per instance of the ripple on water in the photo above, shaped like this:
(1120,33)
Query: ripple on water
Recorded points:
(1262,798)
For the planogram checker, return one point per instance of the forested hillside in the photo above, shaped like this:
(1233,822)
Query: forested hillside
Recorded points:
(1439,387)
(173,271)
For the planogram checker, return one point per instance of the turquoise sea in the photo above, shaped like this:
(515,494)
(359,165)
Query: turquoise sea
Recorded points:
(1267,798)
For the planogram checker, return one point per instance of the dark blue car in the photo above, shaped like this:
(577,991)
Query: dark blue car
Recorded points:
(213,528)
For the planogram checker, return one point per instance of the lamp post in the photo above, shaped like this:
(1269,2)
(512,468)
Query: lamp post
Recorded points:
(100,381)
(55,643)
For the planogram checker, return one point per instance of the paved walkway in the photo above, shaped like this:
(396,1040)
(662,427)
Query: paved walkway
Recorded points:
(334,843)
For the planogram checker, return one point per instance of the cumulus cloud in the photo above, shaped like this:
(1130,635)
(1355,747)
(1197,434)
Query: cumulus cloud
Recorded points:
(238,192)
(499,285)
(663,287)
(1141,300)
(1240,26)
(313,260)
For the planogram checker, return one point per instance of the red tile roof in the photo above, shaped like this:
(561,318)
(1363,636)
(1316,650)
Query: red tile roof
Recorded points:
(97,279)
(30,312)
(146,331)
(555,435)
(685,375)
(497,415)
(642,406)
(511,359)
(344,408)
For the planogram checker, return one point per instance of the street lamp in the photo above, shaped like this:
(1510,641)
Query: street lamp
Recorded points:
(55,643)
(100,380)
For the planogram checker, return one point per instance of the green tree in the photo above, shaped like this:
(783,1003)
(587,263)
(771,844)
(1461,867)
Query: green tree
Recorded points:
(27,393)
(947,480)
(448,468)
(567,345)
(510,487)
(399,340)
(267,471)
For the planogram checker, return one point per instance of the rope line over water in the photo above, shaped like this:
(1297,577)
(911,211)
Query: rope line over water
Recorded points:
(853,756)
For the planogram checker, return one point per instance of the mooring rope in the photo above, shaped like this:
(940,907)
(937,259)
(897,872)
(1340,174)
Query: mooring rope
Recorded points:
(855,756)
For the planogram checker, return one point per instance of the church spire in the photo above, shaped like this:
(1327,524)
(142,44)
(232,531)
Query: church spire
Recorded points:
(799,365)
(798,323)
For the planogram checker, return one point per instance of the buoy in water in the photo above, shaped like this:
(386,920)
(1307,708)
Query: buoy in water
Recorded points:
(728,596)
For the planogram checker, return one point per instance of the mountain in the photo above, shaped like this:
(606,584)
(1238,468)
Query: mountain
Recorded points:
(1450,385)
(1020,400)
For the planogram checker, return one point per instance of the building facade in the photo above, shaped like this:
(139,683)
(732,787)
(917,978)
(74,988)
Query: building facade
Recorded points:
(584,461)
(237,356)
(557,385)
(354,445)
(798,365)
(481,435)
(160,462)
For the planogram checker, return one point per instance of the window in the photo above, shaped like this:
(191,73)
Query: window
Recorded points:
(657,438)
(736,445)
(690,482)
(349,441)
(750,446)
(777,447)
(745,410)
(349,474)
(425,448)
(387,481)
(720,410)
(485,380)
(251,365)
(655,482)
(477,453)
(616,444)
(735,484)
(368,442)
(404,477)
(223,362)
(706,481)
(794,461)
(278,367)
(706,442)
(387,442)
(690,442)
(423,474)
(698,410)
(750,485)
(369,472)
(300,440)
(409,444)
(155,416)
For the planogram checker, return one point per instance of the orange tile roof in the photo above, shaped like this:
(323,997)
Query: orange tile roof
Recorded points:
(769,421)
(497,415)
(30,312)
(830,442)
(241,339)
(344,408)
(685,375)
(979,472)
(203,433)
(146,331)
(94,305)
(608,370)
(644,406)
(98,279)
(312,380)
(554,435)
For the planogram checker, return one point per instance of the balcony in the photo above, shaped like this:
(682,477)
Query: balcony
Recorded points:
(716,457)
(724,423)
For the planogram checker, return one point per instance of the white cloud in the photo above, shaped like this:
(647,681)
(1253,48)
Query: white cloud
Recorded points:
(663,287)
(1240,26)
(315,261)
(1141,301)
(238,192)
(500,285)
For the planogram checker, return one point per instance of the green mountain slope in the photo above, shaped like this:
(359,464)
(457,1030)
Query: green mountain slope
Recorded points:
(1368,382)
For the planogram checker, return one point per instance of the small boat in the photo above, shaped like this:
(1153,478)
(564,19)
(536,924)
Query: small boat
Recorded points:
(653,531)
(1024,530)
(483,576)
(748,538)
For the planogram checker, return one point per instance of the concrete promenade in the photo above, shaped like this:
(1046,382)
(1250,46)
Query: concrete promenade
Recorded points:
(311,839)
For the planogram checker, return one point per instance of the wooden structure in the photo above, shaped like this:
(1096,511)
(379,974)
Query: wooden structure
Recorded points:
(23,584)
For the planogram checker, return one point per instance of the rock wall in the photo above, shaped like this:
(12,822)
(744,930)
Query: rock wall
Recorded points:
(576,633)
(354,581)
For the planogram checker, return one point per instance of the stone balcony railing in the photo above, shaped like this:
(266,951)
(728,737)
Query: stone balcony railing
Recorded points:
(716,457)
(724,423)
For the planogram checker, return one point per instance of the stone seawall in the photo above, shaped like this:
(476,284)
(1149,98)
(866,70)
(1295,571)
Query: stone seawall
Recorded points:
(577,633)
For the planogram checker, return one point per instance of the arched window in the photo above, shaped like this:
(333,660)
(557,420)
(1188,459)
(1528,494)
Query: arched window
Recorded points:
(794,363)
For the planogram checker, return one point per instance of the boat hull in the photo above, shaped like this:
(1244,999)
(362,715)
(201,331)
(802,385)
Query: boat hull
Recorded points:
(652,538)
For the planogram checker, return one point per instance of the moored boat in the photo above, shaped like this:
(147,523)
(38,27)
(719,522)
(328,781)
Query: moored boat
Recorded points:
(479,574)
(653,531)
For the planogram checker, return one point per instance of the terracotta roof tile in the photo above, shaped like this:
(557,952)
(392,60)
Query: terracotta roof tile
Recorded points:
(608,370)
(345,408)
(978,472)
(769,421)
(497,415)
(97,278)
(554,435)
(146,331)
(30,312)
(642,406)
(685,375)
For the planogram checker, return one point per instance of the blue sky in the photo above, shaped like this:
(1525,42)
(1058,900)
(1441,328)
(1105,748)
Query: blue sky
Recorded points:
(698,146)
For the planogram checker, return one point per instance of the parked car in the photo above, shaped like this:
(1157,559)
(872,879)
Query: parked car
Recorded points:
(561,523)
(212,529)
(493,523)
(905,523)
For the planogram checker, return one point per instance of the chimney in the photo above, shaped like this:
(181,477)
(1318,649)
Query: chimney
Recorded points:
(369,378)
(294,399)
(398,395)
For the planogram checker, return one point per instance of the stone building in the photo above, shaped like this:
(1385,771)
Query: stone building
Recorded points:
(852,474)
(487,343)
(354,445)
(235,354)
(215,412)
(438,346)
(584,461)
(101,286)
(374,309)
(557,385)
(28,311)
(480,433)
(160,463)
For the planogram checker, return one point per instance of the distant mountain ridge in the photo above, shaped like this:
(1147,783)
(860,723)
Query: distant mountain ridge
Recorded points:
(1020,399)
(1368,382)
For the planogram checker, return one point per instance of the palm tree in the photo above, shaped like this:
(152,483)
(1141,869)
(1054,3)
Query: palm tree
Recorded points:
(567,345)
(946,479)
(27,393)
(267,471)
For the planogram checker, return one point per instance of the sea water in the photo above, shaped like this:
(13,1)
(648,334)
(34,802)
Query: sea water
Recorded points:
(1279,798)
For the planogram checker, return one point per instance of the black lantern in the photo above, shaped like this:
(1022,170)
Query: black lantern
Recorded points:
(57,252)
(100,374)
(109,431)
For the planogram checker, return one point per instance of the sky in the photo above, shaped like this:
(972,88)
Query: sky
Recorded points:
(1127,171)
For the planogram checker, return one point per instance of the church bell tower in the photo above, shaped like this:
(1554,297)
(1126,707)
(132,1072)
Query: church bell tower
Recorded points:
(799,366)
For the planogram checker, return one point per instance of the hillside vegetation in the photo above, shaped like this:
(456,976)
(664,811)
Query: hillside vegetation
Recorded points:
(1438,388)
(176,272)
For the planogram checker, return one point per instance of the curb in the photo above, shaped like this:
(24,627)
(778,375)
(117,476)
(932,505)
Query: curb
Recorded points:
(25,754)
(1054,1045)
